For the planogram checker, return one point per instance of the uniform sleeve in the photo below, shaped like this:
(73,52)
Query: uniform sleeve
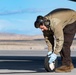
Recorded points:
(49,39)
(59,36)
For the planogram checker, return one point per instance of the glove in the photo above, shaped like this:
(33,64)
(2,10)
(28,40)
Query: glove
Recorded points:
(49,53)
(52,58)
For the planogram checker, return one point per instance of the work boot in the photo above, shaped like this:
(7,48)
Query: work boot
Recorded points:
(63,69)
(71,66)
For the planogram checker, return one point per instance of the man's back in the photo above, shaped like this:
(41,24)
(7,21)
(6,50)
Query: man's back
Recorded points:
(62,16)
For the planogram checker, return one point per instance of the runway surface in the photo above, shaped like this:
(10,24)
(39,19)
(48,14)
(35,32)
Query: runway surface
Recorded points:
(23,62)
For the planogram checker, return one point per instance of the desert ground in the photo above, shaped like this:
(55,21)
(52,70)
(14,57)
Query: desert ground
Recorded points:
(24,42)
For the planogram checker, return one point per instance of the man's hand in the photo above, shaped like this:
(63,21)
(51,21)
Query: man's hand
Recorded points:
(52,57)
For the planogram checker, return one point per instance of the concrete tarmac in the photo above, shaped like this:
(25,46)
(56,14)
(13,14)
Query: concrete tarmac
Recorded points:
(23,62)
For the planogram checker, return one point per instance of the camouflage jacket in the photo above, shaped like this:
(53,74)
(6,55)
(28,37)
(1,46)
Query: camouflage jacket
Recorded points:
(59,18)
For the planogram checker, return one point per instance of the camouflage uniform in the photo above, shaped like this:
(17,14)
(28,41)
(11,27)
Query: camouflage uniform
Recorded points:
(61,32)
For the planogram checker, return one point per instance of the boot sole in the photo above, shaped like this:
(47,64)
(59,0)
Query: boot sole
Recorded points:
(58,71)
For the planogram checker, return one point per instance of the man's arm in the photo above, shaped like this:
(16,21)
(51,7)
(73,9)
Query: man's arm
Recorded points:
(49,39)
(59,36)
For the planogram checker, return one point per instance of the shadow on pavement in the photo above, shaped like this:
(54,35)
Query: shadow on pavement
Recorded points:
(31,63)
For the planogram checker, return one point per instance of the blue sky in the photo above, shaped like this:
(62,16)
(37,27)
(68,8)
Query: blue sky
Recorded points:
(18,16)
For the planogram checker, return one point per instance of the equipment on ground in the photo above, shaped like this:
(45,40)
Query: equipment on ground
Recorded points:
(50,67)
